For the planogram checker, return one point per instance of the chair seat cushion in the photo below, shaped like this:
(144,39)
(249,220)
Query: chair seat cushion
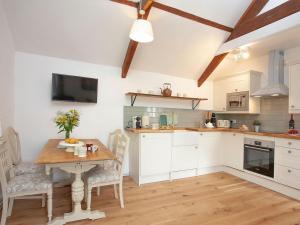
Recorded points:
(29,183)
(28,168)
(101,175)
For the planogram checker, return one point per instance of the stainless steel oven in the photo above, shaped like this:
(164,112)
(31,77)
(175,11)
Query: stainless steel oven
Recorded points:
(259,156)
(238,101)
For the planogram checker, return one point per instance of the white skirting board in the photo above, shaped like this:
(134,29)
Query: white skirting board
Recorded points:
(267,183)
(257,179)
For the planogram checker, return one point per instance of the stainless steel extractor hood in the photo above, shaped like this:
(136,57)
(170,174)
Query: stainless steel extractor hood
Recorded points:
(275,86)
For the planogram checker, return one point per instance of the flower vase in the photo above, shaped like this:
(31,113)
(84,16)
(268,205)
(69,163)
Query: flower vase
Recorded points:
(67,135)
(257,128)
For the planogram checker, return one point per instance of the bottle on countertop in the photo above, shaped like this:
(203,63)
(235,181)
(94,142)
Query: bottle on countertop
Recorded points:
(292,123)
(213,119)
(138,122)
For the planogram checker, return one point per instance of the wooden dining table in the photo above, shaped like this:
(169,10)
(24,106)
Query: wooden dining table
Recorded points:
(53,157)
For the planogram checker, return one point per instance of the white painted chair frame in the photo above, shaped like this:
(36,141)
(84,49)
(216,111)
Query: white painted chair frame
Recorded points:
(121,148)
(13,144)
(111,144)
(6,173)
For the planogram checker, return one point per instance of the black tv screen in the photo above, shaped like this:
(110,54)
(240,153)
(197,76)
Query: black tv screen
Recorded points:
(73,88)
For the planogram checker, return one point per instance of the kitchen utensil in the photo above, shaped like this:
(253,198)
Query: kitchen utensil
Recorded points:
(145,121)
(223,123)
(163,120)
(133,122)
(209,125)
(166,90)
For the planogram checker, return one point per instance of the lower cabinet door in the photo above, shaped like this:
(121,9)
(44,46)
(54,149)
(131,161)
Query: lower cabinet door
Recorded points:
(209,149)
(155,150)
(287,176)
(184,158)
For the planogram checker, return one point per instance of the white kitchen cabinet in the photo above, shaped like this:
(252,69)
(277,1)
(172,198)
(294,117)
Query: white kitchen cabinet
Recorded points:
(219,95)
(294,90)
(184,151)
(209,149)
(233,150)
(150,157)
(155,150)
(184,158)
(287,162)
(287,176)
(185,138)
(247,81)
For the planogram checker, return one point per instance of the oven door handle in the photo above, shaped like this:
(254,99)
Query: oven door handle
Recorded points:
(258,149)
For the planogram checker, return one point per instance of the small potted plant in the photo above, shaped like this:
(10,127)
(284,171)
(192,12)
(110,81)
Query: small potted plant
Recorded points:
(256,125)
(67,121)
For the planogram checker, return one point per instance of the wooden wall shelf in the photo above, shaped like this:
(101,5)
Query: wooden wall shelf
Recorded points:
(195,101)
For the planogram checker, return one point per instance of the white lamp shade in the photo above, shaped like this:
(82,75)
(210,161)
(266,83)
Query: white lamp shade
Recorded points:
(141,31)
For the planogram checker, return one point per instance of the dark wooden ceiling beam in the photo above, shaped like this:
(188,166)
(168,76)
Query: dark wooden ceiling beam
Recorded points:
(211,67)
(192,17)
(251,12)
(133,46)
(181,13)
(284,10)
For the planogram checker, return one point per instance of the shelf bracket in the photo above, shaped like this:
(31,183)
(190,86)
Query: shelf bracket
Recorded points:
(194,106)
(133,98)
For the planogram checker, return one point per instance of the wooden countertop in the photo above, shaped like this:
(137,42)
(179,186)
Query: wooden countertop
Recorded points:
(149,130)
(50,154)
(171,130)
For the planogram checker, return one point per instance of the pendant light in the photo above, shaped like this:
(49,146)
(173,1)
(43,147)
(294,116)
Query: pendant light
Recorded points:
(141,30)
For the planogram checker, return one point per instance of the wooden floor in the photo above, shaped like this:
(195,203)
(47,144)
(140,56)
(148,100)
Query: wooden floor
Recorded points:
(215,199)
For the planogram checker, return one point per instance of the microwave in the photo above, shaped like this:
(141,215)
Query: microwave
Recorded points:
(238,101)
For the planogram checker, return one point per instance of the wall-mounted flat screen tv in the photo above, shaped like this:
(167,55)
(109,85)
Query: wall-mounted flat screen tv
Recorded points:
(74,89)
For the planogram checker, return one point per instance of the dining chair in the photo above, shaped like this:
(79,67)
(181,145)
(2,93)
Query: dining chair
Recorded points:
(111,144)
(23,185)
(12,141)
(20,167)
(113,175)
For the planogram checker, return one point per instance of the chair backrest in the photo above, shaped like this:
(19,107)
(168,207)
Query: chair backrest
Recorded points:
(12,140)
(6,167)
(113,140)
(121,148)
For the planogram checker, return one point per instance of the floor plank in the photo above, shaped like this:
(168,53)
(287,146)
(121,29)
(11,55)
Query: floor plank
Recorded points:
(214,199)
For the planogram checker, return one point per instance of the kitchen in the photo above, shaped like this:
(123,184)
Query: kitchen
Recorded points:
(195,143)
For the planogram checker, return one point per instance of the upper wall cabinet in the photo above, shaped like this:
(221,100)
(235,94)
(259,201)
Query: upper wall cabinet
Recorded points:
(247,81)
(294,83)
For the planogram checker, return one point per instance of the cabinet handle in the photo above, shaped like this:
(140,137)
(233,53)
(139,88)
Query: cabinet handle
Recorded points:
(236,90)
(290,143)
(144,136)
(234,134)
(224,109)
(289,171)
(292,106)
(289,151)
(201,134)
(196,147)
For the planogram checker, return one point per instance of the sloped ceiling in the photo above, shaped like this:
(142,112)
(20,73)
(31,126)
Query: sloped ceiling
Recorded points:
(97,31)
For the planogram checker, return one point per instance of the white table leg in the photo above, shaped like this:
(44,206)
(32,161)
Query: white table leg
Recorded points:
(77,197)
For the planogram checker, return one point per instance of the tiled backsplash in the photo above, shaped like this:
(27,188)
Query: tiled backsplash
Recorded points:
(274,116)
(185,117)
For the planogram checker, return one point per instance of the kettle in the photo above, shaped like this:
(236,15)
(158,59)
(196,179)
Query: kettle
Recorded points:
(166,91)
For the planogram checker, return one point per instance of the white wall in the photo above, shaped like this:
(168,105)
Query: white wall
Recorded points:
(6,72)
(34,110)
